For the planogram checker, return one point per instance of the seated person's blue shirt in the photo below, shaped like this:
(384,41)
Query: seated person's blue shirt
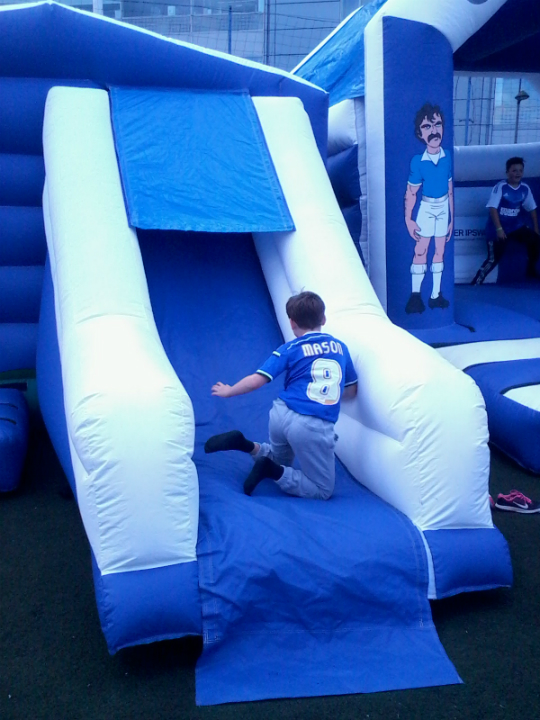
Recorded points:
(317,368)
(509,203)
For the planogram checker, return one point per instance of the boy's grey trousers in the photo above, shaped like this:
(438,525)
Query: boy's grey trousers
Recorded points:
(312,441)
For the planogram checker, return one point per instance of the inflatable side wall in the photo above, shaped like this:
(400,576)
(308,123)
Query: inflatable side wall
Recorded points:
(417,433)
(130,424)
(346,168)
(22,243)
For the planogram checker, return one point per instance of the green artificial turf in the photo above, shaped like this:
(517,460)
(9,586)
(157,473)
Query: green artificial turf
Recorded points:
(54,664)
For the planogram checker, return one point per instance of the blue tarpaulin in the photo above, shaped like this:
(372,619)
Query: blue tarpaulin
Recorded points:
(193,160)
(337,65)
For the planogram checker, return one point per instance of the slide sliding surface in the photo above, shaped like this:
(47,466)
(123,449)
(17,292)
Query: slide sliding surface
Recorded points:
(289,587)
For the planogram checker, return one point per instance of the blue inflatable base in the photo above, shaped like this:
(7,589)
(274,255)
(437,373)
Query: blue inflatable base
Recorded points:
(522,297)
(18,342)
(477,320)
(514,428)
(145,606)
(500,312)
(468,560)
(13,437)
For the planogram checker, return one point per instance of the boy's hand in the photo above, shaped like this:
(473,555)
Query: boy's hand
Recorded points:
(243,386)
(221,390)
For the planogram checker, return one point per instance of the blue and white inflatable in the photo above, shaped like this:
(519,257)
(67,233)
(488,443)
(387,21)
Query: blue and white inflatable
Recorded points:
(164,275)
(380,104)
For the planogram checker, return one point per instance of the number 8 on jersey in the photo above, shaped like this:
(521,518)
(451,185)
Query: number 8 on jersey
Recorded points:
(326,385)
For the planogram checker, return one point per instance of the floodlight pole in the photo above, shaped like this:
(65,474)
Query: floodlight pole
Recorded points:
(522,95)
(229,44)
(468,111)
(267,32)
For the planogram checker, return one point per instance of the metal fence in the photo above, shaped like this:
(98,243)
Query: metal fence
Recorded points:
(276,38)
(487,111)
(281,33)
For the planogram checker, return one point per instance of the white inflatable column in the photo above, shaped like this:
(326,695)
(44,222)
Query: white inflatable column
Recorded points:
(129,420)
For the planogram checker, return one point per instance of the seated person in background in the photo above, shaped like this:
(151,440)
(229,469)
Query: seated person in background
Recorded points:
(506,221)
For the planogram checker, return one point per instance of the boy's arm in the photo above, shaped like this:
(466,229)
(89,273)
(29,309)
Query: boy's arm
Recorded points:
(497,222)
(243,386)
(534,218)
(493,205)
(351,379)
(350,391)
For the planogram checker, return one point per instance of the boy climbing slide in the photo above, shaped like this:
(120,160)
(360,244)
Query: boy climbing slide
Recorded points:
(318,374)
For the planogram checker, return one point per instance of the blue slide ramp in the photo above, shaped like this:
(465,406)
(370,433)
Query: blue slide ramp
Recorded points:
(297,597)
(300,597)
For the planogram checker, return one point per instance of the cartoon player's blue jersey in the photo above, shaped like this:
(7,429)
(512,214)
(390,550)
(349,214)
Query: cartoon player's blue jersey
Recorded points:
(508,202)
(433,172)
(317,367)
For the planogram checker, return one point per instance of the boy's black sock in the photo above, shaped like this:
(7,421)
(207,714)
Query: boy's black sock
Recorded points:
(263,468)
(233,440)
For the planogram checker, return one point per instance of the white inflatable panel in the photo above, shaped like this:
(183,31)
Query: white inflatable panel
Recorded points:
(375,155)
(360,114)
(458,20)
(130,422)
(472,201)
(347,127)
(469,354)
(488,162)
(341,127)
(470,248)
(276,281)
(304,179)
(416,435)
(468,258)
(528,396)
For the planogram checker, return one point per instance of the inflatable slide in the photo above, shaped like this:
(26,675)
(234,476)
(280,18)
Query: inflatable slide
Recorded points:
(179,218)
(136,398)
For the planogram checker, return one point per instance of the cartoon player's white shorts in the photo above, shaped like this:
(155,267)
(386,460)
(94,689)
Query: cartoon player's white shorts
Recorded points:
(433,217)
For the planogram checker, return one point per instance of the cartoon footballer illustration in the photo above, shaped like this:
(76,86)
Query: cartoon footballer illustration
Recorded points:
(432,172)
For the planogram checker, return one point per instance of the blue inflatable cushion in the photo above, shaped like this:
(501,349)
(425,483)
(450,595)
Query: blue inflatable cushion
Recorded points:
(13,437)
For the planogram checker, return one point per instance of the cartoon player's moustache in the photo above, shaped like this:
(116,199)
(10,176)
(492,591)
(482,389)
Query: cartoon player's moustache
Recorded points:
(433,136)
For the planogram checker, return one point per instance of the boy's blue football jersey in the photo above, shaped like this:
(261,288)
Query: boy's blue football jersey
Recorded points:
(317,367)
(508,202)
